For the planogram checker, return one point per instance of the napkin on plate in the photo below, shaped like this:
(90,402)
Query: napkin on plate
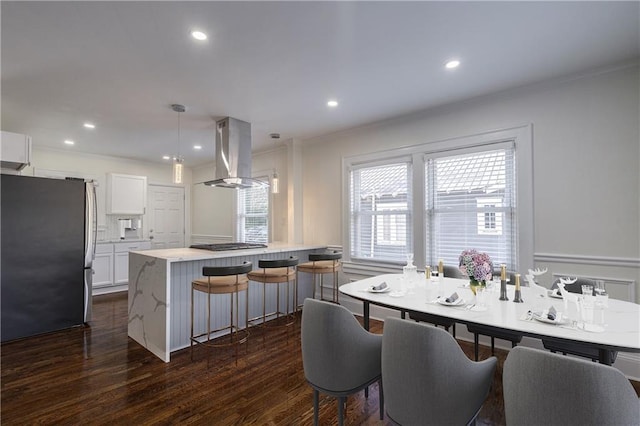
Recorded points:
(379,287)
(452,298)
(551,314)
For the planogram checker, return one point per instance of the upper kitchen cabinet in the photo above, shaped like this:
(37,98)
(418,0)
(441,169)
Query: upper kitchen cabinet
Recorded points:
(15,150)
(126,194)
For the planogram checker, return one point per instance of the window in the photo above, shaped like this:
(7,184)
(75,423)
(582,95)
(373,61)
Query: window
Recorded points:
(439,198)
(253,214)
(470,203)
(380,212)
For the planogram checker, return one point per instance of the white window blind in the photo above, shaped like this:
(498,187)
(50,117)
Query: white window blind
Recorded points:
(471,203)
(380,212)
(253,214)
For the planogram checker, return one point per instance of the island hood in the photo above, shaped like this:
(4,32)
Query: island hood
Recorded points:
(233,155)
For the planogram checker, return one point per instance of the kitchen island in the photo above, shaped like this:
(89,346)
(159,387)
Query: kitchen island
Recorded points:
(160,292)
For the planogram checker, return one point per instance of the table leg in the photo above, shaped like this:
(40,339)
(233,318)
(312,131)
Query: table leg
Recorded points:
(605,356)
(366,311)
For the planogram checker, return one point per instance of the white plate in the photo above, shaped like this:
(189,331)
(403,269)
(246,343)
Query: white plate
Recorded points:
(384,290)
(443,301)
(552,293)
(558,321)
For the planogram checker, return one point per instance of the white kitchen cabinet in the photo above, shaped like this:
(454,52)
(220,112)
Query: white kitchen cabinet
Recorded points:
(15,150)
(103,266)
(126,194)
(111,264)
(121,259)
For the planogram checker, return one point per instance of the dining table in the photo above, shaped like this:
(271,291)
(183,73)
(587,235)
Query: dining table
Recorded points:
(618,329)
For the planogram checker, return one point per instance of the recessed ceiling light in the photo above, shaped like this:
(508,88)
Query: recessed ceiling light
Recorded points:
(197,147)
(452,64)
(332,103)
(68,142)
(166,157)
(198,35)
(89,125)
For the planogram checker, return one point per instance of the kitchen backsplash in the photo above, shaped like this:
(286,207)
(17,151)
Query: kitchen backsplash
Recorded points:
(112,230)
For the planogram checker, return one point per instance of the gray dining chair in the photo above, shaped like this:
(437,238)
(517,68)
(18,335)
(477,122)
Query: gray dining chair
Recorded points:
(427,377)
(541,388)
(339,357)
(570,347)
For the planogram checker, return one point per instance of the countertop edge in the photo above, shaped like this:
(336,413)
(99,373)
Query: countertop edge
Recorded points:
(189,254)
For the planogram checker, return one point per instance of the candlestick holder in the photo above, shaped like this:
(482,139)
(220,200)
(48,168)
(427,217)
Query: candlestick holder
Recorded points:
(503,290)
(517,298)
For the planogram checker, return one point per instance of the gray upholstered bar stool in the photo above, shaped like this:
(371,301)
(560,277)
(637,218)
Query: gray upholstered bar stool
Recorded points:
(320,264)
(279,271)
(229,280)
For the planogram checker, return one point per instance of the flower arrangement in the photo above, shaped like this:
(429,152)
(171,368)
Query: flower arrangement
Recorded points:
(478,266)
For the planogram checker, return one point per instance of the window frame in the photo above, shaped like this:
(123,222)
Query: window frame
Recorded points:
(239,214)
(520,137)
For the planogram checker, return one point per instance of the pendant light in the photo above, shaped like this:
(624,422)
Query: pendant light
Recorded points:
(274,183)
(178,161)
(274,180)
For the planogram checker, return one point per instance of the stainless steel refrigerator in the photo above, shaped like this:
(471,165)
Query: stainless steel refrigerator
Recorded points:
(48,234)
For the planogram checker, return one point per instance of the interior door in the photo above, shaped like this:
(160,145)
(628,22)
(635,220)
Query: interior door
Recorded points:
(166,216)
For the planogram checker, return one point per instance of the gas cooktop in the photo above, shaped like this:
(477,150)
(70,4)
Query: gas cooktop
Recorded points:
(227,246)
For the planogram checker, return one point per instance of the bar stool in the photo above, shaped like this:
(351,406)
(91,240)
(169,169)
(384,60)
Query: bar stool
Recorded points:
(320,264)
(280,271)
(223,280)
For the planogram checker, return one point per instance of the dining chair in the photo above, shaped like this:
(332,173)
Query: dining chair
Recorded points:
(427,377)
(570,347)
(339,357)
(541,388)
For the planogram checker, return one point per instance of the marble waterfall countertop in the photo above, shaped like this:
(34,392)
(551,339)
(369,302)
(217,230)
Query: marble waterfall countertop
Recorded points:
(160,292)
(189,254)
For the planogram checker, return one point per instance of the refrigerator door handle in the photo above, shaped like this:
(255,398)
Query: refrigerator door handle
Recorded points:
(91,233)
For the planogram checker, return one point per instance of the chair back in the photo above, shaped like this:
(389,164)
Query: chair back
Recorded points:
(427,378)
(545,388)
(453,272)
(338,355)
(219,271)
(278,263)
(575,287)
(315,257)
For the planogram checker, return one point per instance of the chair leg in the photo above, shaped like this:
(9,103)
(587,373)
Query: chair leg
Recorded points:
(493,346)
(381,399)
(454,330)
(475,344)
(341,411)
(315,407)
(366,392)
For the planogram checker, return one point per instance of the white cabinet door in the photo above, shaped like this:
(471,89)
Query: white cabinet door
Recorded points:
(126,194)
(122,268)
(121,260)
(15,150)
(103,269)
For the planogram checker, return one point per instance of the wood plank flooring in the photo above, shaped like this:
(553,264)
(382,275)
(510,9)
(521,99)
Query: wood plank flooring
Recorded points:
(97,375)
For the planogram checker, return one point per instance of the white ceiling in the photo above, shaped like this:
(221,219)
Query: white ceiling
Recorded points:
(121,65)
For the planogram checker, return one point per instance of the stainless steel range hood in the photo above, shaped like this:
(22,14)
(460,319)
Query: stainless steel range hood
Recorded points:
(233,155)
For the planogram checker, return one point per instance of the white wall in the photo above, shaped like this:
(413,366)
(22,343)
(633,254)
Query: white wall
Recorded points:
(212,217)
(586,162)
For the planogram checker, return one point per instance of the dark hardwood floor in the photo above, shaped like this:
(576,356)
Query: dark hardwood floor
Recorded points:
(97,375)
